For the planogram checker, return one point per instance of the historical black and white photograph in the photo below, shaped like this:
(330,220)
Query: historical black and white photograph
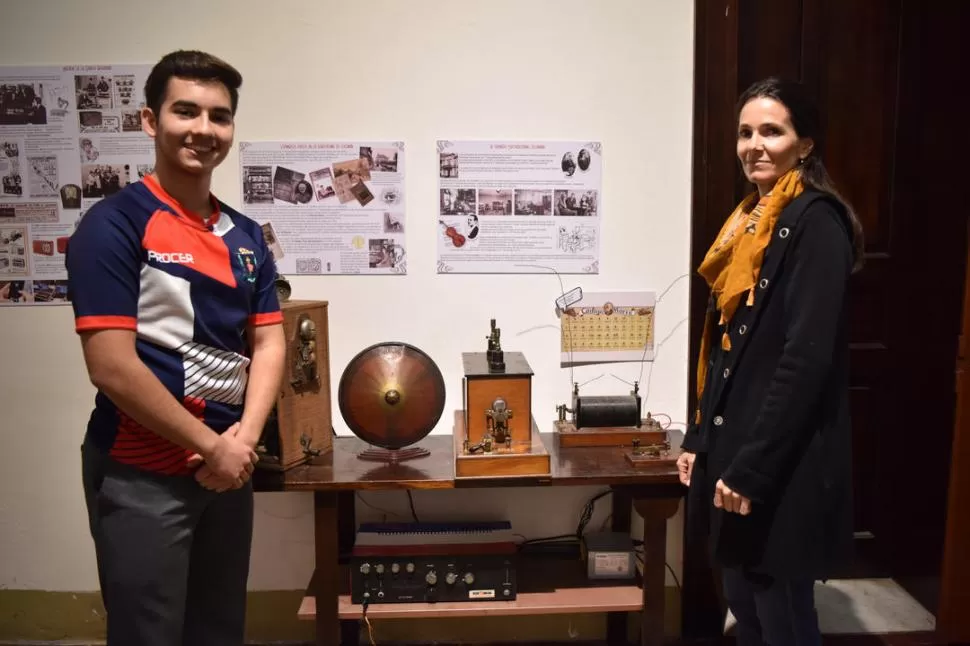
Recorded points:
(367,156)
(533,202)
(303,192)
(385,160)
(257,184)
(383,253)
(447,165)
(22,104)
(96,121)
(569,202)
(457,201)
(130,121)
(357,169)
(492,201)
(284,184)
(568,164)
(102,180)
(93,92)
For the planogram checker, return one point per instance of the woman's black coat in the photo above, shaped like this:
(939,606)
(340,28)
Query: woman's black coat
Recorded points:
(775,413)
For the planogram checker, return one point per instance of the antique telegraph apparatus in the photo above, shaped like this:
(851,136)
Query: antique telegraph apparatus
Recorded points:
(299,427)
(495,433)
(609,420)
(601,411)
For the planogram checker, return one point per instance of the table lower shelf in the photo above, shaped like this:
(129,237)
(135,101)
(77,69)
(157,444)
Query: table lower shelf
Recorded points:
(547,586)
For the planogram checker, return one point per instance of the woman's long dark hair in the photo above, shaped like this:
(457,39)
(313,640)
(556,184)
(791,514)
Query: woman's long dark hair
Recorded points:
(806,120)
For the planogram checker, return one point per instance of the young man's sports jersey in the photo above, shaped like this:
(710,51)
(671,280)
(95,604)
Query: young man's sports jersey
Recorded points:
(139,262)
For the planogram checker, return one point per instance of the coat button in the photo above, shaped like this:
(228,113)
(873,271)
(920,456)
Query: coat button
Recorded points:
(718,421)
(783,233)
(742,329)
(763,283)
(727,371)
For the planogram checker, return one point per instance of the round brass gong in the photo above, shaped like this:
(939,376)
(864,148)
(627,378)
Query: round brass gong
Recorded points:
(391,395)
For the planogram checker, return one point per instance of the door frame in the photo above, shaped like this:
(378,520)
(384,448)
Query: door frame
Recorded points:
(712,196)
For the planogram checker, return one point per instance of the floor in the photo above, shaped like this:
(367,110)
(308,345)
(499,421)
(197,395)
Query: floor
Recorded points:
(852,612)
(854,606)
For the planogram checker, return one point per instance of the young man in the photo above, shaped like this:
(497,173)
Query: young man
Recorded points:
(181,330)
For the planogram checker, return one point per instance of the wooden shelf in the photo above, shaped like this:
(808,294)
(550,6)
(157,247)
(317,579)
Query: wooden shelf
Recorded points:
(548,585)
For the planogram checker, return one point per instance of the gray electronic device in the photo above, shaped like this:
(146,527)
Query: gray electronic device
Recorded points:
(609,555)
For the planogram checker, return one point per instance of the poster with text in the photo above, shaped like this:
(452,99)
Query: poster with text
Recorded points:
(69,137)
(519,207)
(328,207)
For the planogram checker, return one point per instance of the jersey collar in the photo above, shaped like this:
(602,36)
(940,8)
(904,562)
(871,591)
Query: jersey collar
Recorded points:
(191,217)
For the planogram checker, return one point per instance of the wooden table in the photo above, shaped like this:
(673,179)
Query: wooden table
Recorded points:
(655,494)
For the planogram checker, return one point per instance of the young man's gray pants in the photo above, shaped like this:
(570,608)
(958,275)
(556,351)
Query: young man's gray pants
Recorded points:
(173,557)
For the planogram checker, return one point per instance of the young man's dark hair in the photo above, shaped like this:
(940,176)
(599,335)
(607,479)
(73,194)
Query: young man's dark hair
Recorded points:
(190,64)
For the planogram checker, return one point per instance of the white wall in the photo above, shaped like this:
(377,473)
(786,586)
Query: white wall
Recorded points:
(618,71)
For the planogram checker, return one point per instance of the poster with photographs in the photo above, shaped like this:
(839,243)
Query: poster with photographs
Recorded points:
(519,207)
(328,207)
(69,137)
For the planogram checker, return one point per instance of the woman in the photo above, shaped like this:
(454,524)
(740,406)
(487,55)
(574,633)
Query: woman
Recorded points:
(767,458)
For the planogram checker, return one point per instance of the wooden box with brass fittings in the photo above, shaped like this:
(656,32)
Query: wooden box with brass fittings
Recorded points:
(495,433)
(300,426)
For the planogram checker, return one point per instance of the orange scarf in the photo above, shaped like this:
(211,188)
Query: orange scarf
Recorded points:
(733,262)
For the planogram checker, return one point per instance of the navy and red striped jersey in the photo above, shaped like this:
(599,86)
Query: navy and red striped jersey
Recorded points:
(189,290)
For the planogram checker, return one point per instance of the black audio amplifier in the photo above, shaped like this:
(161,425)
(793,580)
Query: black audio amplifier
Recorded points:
(432,562)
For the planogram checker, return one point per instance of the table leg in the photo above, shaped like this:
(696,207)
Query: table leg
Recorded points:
(655,512)
(347,531)
(616,622)
(326,554)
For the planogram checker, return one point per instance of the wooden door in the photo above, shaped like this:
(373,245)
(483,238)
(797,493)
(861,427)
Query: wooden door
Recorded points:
(953,618)
(888,78)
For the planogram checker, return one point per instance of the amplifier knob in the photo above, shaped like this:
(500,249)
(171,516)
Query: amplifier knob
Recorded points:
(469,578)
(395,568)
(450,578)
(410,568)
(379,568)
(431,578)
(365,568)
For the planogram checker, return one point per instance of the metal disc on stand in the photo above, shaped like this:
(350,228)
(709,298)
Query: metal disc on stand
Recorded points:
(391,395)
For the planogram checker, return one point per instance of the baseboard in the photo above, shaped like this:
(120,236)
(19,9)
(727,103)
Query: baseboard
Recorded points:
(35,617)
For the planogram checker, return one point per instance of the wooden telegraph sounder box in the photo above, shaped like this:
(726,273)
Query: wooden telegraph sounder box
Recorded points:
(495,433)
(300,426)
